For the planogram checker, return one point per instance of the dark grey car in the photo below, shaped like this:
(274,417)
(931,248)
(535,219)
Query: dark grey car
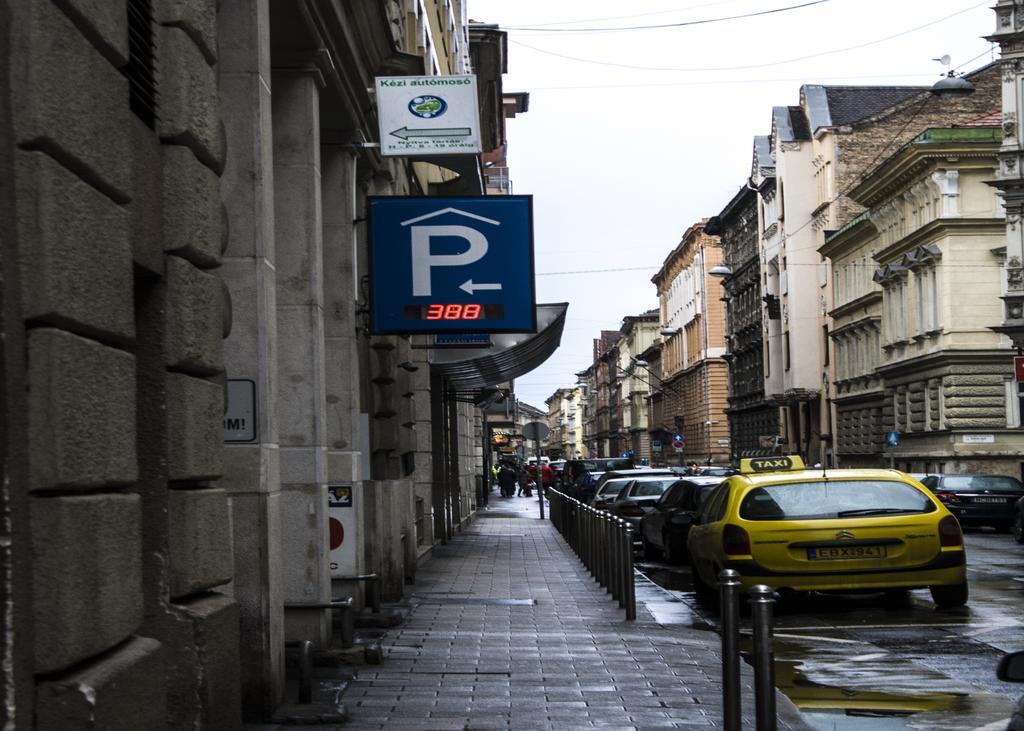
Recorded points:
(978,499)
(663,531)
(637,498)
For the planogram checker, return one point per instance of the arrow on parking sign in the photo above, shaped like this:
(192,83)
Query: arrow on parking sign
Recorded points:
(405,132)
(469,288)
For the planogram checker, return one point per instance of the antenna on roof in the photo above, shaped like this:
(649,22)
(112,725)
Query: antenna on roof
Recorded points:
(951,84)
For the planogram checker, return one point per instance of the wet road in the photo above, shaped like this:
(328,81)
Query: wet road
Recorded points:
(858,663)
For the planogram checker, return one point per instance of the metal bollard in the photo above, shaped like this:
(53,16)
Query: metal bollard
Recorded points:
(594,571)
(761,602)
(630,582)
(605,551)
(615,554)
(623,548)
(729,587)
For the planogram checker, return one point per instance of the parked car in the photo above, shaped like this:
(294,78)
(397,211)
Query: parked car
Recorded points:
(580,474)
(608,496)
(836,530)
(663,531)
(558,466)
(978,499)
(711,471)
(607,490)
(637,498)
(1011,669)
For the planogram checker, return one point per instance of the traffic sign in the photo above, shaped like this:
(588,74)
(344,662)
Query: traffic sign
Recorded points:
(536,430)
(451,264)
(892,439)
(428,115)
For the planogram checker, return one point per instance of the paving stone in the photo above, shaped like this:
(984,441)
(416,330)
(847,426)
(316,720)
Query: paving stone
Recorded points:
(568,661)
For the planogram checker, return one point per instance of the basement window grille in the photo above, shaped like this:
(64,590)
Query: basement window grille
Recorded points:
(141,62)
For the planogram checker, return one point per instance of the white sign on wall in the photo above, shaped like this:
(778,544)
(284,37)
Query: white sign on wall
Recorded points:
(428,115)
(341,512)
(979,438)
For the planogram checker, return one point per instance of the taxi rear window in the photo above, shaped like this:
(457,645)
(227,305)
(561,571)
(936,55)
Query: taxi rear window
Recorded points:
(833,499)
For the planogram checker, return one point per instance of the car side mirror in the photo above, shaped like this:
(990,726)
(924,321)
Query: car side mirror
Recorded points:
(1011,667)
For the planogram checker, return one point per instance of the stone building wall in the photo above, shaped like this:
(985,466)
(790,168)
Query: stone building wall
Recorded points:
(119,322)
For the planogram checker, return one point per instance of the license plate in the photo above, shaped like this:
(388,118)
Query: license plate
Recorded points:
(830,553)
(1000,500)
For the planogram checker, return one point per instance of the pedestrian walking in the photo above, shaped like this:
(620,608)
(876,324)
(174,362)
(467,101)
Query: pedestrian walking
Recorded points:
(507,480)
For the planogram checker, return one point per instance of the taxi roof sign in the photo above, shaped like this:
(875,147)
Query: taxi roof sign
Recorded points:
(754,465)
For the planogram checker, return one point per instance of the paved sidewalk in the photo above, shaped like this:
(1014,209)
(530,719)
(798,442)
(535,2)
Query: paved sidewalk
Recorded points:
(507,630)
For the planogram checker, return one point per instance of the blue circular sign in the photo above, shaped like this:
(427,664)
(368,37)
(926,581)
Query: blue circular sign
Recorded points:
(428,106)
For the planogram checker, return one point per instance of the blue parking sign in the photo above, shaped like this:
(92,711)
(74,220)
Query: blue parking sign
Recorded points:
(454,264)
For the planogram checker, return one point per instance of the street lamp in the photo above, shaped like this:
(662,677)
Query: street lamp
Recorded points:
(720,270)
(670,331)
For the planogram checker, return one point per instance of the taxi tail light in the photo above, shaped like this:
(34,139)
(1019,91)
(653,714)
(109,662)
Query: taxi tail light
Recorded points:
(949,532)
(735,541)
(947,497)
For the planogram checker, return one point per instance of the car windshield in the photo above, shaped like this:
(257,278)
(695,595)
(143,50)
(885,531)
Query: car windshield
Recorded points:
(652,488)
(980,482)
(612,487)
(833,499)
(607,465)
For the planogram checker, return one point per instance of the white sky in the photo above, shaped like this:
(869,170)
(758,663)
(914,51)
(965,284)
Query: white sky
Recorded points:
(621,161)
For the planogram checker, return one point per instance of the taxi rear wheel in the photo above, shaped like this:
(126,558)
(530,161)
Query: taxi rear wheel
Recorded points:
(946,597)
(702,590)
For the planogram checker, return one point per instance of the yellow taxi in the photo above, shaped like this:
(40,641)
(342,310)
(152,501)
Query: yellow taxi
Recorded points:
(797,529)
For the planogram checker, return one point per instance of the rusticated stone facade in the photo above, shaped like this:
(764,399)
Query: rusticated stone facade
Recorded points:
(113,306)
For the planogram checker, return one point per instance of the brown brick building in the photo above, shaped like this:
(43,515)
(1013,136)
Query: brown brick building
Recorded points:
(693,371)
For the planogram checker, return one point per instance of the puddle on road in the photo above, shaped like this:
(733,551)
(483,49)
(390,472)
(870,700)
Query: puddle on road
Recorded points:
(854,687)
(847,685)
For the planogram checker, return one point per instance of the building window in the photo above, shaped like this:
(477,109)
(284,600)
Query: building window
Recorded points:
(919,279)
(785,350)
(1014,403)
(825,344)
(139,70)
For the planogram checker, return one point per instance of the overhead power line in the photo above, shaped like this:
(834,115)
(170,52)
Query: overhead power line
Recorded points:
(752,65)
(618,29)
(633,15)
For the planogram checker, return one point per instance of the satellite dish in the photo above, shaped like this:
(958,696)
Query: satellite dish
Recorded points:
(945,59)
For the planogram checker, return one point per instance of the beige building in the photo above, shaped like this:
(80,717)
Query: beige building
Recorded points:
(917,278)
(565,421)
(638,334)
(694,375)
(817,151)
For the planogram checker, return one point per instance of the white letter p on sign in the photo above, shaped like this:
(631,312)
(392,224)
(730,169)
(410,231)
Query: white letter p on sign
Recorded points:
(423,261)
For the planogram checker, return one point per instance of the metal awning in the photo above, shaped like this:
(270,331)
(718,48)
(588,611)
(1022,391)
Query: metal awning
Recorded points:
(511,355)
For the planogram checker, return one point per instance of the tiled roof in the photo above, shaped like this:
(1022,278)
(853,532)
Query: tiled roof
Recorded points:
(848,104)
(992,119)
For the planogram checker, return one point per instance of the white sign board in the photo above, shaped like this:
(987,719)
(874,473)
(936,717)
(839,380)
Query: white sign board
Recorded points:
(240,411)
(979,438)
(428,115)
(341,512)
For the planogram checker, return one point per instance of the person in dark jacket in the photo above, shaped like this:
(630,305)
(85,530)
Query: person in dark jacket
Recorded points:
(507,480)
